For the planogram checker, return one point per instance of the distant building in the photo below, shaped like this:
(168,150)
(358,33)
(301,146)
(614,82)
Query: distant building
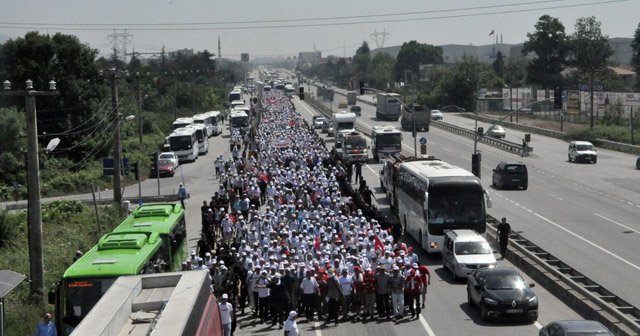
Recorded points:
(307,59)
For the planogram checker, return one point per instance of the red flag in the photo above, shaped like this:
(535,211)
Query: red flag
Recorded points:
(317,245)
(378,244)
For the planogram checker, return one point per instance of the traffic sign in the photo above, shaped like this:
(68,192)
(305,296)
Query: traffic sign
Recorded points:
(423,140)
(423,149)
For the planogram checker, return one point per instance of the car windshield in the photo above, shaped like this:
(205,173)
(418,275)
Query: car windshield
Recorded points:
(355,142)
(355,109)
(498,129)
(388,140)
(468,248)
(167,156)
(584,147)
(319,120)
(164,162)
(500,280)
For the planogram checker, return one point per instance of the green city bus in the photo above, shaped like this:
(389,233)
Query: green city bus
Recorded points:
(166,219)
(84,282)
(152,239)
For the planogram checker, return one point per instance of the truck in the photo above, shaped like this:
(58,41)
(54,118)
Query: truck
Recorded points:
(343,123)
(415,113)
(386,141)
(388,106)
(354,147)
(351,97)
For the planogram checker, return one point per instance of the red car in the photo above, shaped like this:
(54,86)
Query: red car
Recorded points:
(165,167)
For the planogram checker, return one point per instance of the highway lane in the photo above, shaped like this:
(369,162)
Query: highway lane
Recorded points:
(586,215)
(447,312)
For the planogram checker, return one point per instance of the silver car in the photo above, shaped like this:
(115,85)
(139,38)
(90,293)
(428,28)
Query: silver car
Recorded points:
(327,127)
(171,156)
(497,132)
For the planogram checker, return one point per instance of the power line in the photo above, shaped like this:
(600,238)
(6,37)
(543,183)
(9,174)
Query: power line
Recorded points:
(77,27)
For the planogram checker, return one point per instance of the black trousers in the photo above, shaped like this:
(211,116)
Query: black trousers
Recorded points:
(414,303)
(332,310)
(382,302)
(264,308)
(308,303)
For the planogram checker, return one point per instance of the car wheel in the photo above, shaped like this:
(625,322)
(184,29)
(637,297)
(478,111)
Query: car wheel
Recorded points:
(595,160)
(569,156)
(524,187)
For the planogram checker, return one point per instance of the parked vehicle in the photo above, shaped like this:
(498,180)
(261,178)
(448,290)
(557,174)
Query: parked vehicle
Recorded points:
(452,108)
(436,115)
(171,156)
(502,293)
(510,175)
(582,151)
(497,131)
(578,328)
(388,106)
(165,167)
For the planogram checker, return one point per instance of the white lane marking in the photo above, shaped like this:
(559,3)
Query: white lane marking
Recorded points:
(373,171)
(316,326)
(614,222)
(537,324)
(589,242)
(464,157)
(426,326)
(445,149)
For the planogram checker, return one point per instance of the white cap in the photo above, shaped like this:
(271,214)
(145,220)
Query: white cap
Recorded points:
(225,296)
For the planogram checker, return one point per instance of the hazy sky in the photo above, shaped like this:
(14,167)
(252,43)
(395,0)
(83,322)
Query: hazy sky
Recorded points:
(197,24)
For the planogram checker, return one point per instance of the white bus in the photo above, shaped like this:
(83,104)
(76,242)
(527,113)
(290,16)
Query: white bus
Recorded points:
(236,94)
(184,142)
(289,90)
(239,119)
(182,122)
(201,135)
(204,119)
(434,196)
(216,119)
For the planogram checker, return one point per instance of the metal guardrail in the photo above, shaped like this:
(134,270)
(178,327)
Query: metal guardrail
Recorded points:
(576,290)
(498,143)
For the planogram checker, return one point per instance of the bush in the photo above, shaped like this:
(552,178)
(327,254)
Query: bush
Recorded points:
(8,229)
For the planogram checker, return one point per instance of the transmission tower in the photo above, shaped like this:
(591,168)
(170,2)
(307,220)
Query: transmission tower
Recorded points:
(379,37)
(119,42)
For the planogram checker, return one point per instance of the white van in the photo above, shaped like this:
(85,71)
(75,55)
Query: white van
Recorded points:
(465,251)
(582,151)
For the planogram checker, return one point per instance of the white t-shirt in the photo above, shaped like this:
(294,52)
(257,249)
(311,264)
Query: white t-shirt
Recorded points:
(292,327)
(225,312)
(309,285)
(347,284)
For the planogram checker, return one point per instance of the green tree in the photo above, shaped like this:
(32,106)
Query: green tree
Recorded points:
(413,54)
(381,71)
(361,62)
(591,50)
(551,47)
(635,59)
(498,64)
(12,146)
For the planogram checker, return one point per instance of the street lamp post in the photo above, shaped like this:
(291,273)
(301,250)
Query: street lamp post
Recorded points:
(34,206)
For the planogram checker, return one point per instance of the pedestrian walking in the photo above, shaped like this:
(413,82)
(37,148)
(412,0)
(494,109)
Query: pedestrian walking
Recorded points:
(413,289)
(396,285)
(334,297)
(425,274)
(182,193)
(46,327)
(226,313)
(504,230)
(358,170)
(310,289)
(382,292)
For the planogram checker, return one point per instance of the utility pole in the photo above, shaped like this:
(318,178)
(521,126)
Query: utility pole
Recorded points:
(36,264)
(117,146)
(139,107)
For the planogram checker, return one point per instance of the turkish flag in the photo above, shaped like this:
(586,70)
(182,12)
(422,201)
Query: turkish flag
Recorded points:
(317,244)
(378,244)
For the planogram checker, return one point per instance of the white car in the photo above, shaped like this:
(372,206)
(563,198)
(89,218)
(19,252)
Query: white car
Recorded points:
(465,251)
(171,156)
(582,151)
(497,132)
(436,115)
(318,121)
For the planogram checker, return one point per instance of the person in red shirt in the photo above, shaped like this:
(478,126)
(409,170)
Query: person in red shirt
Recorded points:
(358,293)
(413,289)
(369,290)
(426,279)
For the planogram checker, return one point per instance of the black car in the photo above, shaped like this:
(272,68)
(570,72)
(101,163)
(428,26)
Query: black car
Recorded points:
(638,163)
(502,293)
(452,108)
(579,327)
(510,175)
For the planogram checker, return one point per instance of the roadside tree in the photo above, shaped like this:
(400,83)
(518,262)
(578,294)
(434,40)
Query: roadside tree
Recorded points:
(550,45)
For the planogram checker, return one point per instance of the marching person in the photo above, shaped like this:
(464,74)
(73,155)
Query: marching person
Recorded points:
(226,313)
(504,230)
(396,285)
(290,326)
(182,193)
(425,274)
(413,289)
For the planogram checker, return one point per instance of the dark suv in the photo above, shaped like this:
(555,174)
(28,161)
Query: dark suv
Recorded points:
(510,175)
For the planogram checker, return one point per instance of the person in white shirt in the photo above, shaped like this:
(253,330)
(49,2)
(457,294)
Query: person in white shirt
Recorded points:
(290,326)
(346,283)
(226,313)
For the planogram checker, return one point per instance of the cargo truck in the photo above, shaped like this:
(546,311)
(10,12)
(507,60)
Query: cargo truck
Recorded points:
(418,114)
(351,98)
(386,141)
(343,123)
(388,106)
